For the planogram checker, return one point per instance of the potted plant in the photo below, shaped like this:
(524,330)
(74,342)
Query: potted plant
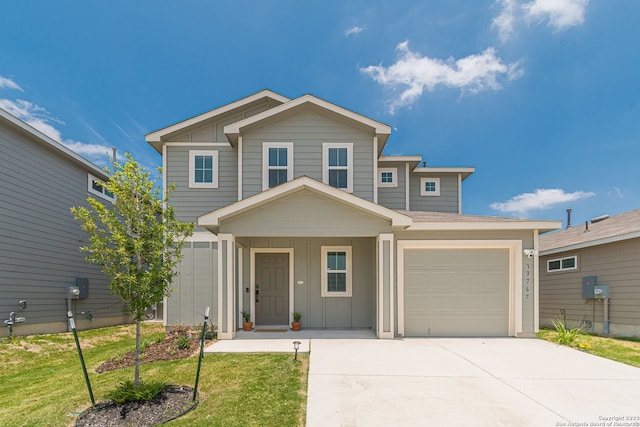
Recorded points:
(247,325)
(295,325)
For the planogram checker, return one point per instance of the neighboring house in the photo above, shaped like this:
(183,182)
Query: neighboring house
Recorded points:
(298,210)
(40,258)
(606,249)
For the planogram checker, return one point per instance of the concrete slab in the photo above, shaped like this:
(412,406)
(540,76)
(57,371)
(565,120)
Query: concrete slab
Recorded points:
(466,382)
(258,346)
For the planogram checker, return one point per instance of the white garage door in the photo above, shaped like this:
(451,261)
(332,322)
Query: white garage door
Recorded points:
(456,292)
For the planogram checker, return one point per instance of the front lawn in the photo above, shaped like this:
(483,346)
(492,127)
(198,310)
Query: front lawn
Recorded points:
(621,349)
(43,384)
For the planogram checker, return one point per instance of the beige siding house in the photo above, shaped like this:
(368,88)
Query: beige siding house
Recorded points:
(606,252)
(299,210)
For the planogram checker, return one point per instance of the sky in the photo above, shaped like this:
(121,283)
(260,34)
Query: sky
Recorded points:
(542,97)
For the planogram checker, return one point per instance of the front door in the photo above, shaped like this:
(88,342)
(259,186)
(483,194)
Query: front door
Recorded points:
(272,289)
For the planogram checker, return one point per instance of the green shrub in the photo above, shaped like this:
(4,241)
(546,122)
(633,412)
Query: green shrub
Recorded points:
(564,335)
(128,392)
(183,342)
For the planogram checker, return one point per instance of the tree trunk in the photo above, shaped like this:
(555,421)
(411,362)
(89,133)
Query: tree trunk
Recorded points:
(136,377)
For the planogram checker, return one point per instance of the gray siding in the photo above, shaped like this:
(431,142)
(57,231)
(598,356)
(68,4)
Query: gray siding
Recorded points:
(394,197)
(189,203)
(305,213)
(195,286)
(447,201)
(39,240)
(357,311)
(616,265)
(308,130)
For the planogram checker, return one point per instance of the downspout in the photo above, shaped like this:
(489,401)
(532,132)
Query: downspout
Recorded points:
(606,316)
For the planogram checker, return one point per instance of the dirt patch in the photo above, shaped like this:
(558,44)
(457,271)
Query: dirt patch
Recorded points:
(170,403)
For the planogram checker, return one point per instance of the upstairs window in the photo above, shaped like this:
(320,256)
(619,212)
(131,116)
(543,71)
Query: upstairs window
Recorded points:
(203,169)
(562,264)
(96,186)
(277,164)
(338,170)
(430,186)
(336,271)
(387,177)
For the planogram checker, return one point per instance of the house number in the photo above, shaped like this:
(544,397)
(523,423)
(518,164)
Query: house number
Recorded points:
(527,275)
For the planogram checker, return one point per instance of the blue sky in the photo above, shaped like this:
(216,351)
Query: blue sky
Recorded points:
(542,97)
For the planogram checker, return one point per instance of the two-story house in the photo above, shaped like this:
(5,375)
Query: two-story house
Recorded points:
(43,274)
(298,210)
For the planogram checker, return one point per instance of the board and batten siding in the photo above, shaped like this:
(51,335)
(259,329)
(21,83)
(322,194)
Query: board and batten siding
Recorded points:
(447,201)
(308,129)
(39,239)
(357,311)
(190,203)
(615,264)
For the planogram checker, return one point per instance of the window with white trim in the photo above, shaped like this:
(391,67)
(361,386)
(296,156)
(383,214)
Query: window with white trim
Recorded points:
(277,164)
(96,186)
(336,271)
(429,186)
(387,177)
(203,169)
(562,264)
(337,170)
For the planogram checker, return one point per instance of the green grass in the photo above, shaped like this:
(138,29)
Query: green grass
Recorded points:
(621,349)
(43,384)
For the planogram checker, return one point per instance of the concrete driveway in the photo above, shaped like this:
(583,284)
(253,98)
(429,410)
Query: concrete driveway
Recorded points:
(467,382)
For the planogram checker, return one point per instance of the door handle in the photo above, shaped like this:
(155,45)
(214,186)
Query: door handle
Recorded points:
(257,293)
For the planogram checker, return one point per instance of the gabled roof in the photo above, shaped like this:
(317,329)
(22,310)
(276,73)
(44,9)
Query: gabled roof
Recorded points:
(53,144)
(616,228)
(381,130)
(156,137)
(212,220)
(425,220)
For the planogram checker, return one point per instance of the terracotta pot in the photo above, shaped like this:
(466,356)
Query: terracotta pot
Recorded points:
(247,326)
(295,326)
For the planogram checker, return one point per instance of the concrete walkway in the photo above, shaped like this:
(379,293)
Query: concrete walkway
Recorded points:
(362,381)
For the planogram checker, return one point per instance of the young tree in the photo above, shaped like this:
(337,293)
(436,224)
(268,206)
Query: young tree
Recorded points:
(137,241)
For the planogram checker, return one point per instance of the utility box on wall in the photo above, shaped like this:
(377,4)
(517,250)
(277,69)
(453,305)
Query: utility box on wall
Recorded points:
(601,291)
(83,286)
(588,285)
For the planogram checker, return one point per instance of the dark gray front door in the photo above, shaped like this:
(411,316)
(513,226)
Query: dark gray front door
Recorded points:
(272,289)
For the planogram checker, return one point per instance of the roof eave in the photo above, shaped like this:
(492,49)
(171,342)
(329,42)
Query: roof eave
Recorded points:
(541,226)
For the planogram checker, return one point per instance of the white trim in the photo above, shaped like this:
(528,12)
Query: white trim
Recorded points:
(164,176)
(515,272)
(536,283)
(464,171)
(380,297)
(90,180)
(239,303)
(240,166)
(265,161)
(375,169)
(323,271)
(394,181)
(252,277)
(561,270)
(400,159)
(157,135)
(486,225)
(197,144)
(349,168)
(397,219)
(214,156)
(202,236)
(425,193)
(603,241)
(460,193)
(230,331)
(407,187)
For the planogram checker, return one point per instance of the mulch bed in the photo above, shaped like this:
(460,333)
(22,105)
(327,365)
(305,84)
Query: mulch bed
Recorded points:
(172,402)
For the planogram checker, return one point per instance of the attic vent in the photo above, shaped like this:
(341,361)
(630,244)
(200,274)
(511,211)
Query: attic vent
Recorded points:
(599,218)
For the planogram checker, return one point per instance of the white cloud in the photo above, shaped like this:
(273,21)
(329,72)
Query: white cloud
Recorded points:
(40,119)
(506,20)
(9,84)
(561,14)
(540,200)
(615,193)
(416,73)
(353,30)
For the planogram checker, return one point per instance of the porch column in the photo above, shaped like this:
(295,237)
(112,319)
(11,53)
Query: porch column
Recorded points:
(384,289)
(226,286)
